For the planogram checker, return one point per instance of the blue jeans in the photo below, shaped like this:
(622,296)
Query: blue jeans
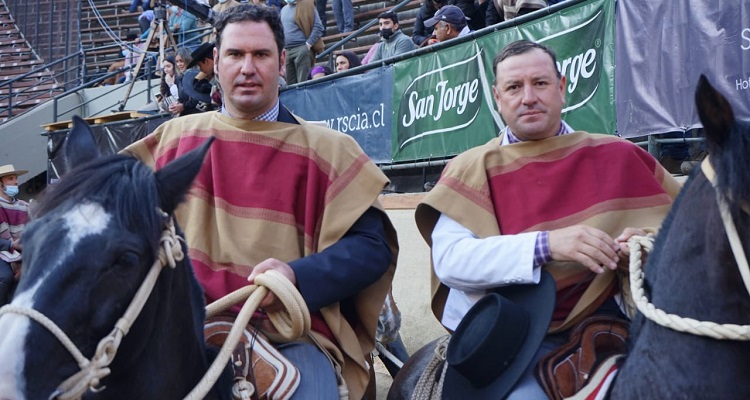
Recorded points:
(344,13)
(527,387)
(320,5)
(318,379)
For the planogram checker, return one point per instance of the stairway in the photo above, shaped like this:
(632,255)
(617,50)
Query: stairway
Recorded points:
(17,58)
(102,49)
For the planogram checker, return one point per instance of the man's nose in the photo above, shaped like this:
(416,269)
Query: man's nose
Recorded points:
(529,96)
(248,65)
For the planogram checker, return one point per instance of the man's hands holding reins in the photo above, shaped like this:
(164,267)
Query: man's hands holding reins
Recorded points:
(591,247)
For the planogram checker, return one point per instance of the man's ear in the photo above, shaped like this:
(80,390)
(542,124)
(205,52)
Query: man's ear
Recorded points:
(282,63)
(562,88)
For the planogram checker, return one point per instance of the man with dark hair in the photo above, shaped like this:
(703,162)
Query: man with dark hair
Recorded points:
(536,198)
(393,41)
(449,23)
(278,193)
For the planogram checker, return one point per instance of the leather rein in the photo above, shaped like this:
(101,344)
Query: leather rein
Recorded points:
(675,322)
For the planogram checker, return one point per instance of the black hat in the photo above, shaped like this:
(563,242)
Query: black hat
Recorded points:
(450,14)
(206,50)
(187,86)
(497,339)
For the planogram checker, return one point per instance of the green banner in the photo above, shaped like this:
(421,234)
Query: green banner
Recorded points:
(446,104)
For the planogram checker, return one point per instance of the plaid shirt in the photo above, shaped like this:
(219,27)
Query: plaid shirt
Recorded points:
(269,116)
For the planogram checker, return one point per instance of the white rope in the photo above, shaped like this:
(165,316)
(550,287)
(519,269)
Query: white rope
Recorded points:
(94,370)
(672,321)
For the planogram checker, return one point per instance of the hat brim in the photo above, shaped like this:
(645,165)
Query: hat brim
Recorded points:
(16,173)
(187,87)
(201,53)
(430,22)
(539,302)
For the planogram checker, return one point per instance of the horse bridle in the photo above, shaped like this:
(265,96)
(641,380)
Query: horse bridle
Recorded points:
(94,370)
(675,322)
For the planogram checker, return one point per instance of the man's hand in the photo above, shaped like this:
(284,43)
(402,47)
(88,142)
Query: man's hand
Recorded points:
(588,246)
(622,240)
(271,302)
(15,244)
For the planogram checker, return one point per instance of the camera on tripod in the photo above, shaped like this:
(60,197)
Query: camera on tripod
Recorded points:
(160,11)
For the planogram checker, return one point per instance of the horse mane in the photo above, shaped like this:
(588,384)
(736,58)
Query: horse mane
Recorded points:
(732,165)
(120,183)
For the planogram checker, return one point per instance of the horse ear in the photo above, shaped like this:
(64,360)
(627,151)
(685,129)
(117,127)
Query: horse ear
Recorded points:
(174,180)
(714,111)
(80,145)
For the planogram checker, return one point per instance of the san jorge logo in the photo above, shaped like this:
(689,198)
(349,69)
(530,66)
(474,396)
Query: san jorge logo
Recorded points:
(441,101)
(580,58)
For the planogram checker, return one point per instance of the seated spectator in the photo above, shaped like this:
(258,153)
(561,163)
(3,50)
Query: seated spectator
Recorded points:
(319,71)
(182,59)
(197,84)
(368,57)
(13,218)
(505,10)
(422,33)
(449,22)
(169,90)
(393,42)
(346,60)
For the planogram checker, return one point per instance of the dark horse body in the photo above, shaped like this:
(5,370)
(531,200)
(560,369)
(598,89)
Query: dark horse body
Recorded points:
(88,248)
(692,273)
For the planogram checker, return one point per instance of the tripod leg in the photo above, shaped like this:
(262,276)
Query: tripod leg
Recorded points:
(136,71)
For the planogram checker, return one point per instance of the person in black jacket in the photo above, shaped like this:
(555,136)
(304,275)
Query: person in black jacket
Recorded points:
(474,10)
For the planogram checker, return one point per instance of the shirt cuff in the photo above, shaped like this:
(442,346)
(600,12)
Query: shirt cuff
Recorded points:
(542,253)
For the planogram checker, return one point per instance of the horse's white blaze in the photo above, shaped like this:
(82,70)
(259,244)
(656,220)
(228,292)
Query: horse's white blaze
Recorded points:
(81,221)
(15,328)
(84,220)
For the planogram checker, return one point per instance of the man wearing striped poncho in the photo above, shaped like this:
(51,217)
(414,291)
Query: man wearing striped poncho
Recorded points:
(278,193)
(539,196)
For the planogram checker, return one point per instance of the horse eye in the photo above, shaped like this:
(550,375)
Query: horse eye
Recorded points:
(129,258)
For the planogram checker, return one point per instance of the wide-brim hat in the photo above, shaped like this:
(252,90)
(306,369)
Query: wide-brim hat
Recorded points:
(206,50)
(497,339)
(8,169)
(187,86)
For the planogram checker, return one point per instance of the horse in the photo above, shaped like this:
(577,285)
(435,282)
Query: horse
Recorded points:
(692,272)
(91,242)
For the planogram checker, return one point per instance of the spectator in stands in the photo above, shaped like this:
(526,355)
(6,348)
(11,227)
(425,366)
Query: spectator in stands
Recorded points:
(183,26)
(421,33)
(199,85)
(182,59)
(302,31)
(343,10)
(145,5)
(393,41)
(223,5)
(169,90)
(145,20)
(449,22)
(505,10)
(13,218)
(368,57)
(474,10)
(346,60)
(320,6)
(319,71)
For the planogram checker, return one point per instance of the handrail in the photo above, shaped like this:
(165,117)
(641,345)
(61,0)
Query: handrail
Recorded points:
(356,33)
(39,69)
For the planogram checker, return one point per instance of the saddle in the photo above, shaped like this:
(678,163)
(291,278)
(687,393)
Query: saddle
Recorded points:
(563,372)
(260,371)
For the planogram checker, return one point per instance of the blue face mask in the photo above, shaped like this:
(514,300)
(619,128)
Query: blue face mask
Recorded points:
(289,1)
(11,191)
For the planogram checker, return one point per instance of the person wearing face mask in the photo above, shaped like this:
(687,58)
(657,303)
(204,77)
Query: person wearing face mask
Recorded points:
(14,214)
(183,26)
(393,42)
